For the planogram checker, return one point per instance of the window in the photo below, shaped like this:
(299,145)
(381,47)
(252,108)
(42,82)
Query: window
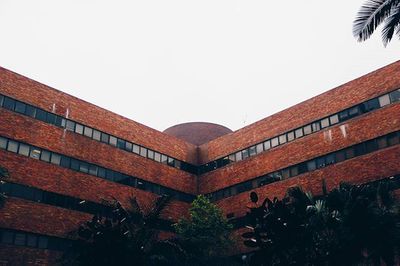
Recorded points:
(259,148)
(43,241)
(344,115)
(316,126)
(3,143)
(334,119)
(96,135)
(70,125)
(20,239)
(79,129)
(384,100)
(92,169)
(55,158)
(150,154)
(349,153)
(170,161)
(75,165)
(12,146)
(307,130)
(105,137)
(7,237)
(267,145)
(88,132)
(382,143)
(65,161)
(113,140)
(164,159)
(1,100)
(238,156)
(353,111)
(31,240)
(8,103)
(285,173)
(231,157)
(45,156)
(41,115)
(299,132)
(35,153)
(321,162)
(143,152)
(20,107)
(252,151)
(23,149)
(311,165)
(371,146)
(290,136)
(330,159)
(50,118)
(157,157)
(101,172)
(121,143)
(128,146)
(393,139)
(30,111)
(325,122)
(282,139)
(245,154)
(135,149)
(340,156)
(294,171)
(395,96)
(83,167)
(274,142)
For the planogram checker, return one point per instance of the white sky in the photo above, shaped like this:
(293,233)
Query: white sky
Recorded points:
(166,62)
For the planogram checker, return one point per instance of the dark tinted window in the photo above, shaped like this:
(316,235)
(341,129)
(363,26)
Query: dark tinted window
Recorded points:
(9,103)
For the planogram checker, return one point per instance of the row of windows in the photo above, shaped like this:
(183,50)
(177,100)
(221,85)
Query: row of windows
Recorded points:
(89,168)
(55,199)
(50,118)
(311,165)
(318,125)
(25,239)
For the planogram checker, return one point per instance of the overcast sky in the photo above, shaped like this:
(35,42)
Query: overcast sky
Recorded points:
(166,62)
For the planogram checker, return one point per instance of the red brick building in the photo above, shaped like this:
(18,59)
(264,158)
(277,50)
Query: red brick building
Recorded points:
(65,156)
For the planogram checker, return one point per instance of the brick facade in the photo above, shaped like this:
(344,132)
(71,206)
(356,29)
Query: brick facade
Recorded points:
(24,215)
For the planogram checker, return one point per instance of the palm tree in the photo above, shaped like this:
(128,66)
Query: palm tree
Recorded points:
(129,237)
(374,13)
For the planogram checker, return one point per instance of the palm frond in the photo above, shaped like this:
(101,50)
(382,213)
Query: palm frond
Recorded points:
(3,172)
(371,15)
(391,24)
(158,207)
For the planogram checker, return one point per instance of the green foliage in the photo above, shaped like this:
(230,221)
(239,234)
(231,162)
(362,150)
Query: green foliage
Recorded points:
(3,175)
(375,13)
(351,225)
(127,238)
(206,234)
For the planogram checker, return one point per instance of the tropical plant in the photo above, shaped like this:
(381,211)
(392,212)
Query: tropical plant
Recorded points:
(205,235)
(128,237)
(374,13)
(350,225)
(3,175)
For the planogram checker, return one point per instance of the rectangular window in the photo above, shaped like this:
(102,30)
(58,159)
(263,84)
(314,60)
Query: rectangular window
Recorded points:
(150,154)
(113,140)
(325,122)
(353,111)
(9,103)
(31,241)
(101,172)
(79,128)
(170,161)
(311,165)
(65,161)
(344,115)
(41,115)
(321,162)
(45,156)
(121,143)
(177,164)
(55,159)
(384,100)
(3,143)
(23,149)
(330,159)
(105,137)
(393,139)
(83,167)
(238,156)
(128,146)
(88,132)
(299,132)
(60,122)
(334,119)
(349,153)
(7,237)
(282,139)
(290,136)
(30,111)
(231,157)
(245,154)
(164,159)
(294,171)
(371,105)
(274,142)
(70,125)
(307,130)
(267,145)
(43,242)
(371,146)
(316,126)
(50,118)
(382,143)
(143,152)
(359,149)
(252,151)
(75,165)
(12,146)
(136,149)
(259,148)
(35,153)
(20,107)
(285,173)
(157,157)
(1,100)
(395,96)
(20,239)
(340,156)
(96,135)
